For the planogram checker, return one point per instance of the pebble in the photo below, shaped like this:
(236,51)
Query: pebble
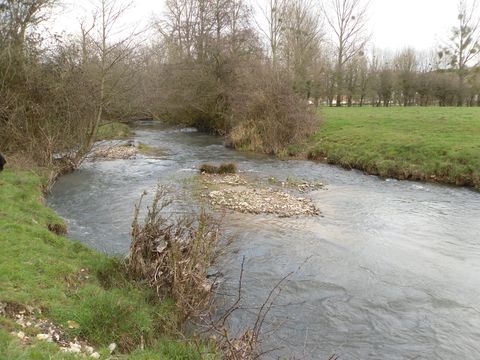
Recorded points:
(267,201)
(43,337)
(115,152)
(74,348)
(72,324)
(300,185)
(240,196)
(232,180)
(48,331)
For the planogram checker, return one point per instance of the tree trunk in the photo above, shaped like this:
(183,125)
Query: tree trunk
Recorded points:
(339,100)
(461,87)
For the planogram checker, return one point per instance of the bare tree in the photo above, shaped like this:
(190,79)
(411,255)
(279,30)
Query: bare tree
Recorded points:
(352,78)
(406,65)
(22,119)
(348,22)
(463,47)
(16,19)
(274,14)
(363,79)
(301,38)
(17,16)
(86,29)
(110,47)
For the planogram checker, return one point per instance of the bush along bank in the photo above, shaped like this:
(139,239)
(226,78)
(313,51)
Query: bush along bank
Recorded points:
(84,301)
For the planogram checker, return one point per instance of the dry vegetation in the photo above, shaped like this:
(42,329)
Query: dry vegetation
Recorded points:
(267,115)
(213,74)
(174,254)
(227,168)
(56,91)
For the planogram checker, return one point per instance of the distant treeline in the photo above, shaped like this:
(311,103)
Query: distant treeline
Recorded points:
(405,79)
(218,65)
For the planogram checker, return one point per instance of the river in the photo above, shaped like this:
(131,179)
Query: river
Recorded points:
(391,270)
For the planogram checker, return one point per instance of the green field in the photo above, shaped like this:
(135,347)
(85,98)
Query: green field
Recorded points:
(430,144)
(71,282)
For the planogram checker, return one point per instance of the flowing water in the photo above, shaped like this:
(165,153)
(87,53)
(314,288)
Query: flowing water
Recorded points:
(391,270)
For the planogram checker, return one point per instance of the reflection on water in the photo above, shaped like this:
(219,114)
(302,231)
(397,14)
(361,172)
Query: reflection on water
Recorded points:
(392,269)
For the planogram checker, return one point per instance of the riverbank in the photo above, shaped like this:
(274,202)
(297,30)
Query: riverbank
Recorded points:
(433,144)
(113,131)
(78,290)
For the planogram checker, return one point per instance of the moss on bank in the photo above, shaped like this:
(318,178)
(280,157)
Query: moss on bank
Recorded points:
(71,282)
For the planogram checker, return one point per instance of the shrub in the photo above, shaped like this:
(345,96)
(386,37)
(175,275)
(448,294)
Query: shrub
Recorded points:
(266,113)
(208,169)
(59,229)
(245,99)
(226,168)
(173,255)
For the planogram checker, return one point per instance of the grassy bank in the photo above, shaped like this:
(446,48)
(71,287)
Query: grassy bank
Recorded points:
(113,131)
(429,144)
(72,283)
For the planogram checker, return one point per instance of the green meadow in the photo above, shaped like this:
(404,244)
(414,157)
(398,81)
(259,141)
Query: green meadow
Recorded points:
(440,144)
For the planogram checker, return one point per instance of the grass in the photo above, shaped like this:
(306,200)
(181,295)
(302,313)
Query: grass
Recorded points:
(417,143)
(71,282)
(113,131)
(150,150)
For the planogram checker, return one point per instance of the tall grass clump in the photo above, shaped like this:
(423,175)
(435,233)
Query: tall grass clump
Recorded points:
(227,168)
(173,254)
(222,169)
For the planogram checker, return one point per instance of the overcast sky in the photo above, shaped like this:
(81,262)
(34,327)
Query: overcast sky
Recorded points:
(395,24)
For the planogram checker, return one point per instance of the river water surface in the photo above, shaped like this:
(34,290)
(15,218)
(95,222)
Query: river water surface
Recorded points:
(393,269)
